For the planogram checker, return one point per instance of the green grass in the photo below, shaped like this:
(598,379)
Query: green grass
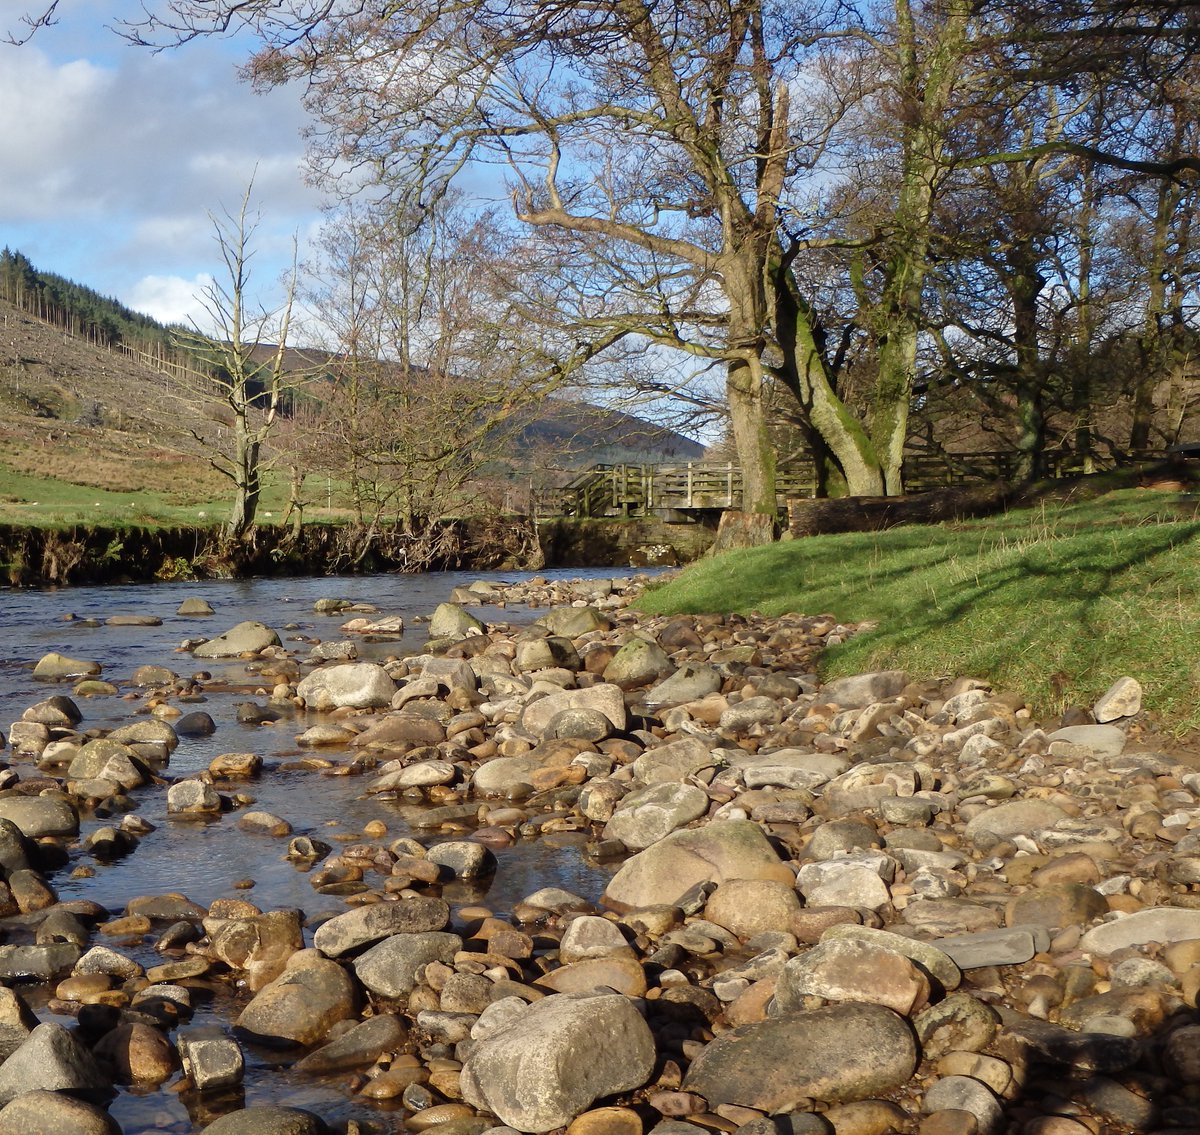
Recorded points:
(1054,602)
(45,502)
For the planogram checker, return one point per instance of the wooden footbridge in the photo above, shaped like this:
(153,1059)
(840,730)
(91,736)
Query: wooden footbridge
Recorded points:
(689,490)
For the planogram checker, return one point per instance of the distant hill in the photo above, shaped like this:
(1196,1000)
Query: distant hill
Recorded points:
(579,434)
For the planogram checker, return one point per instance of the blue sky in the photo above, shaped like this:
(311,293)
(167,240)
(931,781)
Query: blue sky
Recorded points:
(114,156)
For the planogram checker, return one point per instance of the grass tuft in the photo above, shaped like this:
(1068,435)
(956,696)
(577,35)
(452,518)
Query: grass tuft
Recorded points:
(1054,602)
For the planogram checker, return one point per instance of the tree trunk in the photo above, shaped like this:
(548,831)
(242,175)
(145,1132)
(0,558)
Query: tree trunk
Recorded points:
(1025,284)
(747,416)
(804,373)
(246,483)
(743,530)
(1154,337)
(927,79)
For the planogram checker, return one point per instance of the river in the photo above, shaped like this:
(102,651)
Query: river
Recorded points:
(204,861)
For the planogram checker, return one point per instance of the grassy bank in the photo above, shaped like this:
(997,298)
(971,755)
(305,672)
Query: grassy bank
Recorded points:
(1055,602)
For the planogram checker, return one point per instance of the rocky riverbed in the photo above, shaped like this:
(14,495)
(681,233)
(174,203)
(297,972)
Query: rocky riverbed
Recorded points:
(867,906)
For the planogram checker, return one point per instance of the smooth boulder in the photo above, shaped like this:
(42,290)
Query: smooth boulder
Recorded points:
(835,1054)
(246,638)
(717,852)
(357,685)
(545,1066)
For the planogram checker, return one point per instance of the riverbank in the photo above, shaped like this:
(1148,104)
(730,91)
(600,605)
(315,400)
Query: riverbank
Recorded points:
(54,557)
(1057,602)
(839,908)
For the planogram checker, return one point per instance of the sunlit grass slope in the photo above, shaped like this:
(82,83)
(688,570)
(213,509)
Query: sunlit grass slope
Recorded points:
(51,502)
(1054,602)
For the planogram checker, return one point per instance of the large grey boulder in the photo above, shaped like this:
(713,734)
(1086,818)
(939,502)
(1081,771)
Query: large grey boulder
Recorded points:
(365,925)
(929,957)
(602,697)
(691,682)
(55,711)
(646,816)
(42,1112)
(56,667)
(42,962)
(793,768)
(358,685)
(675,761)
(499,776)
(193,796)
(38,816)
(571,622)
(449,620)
(835,1054)
(717,852)
(245,638)
(639,662)
(1156,924)
(852,970)
(211,1058)
(545,1066)
(1014,817)
(105,759)
(859,690)
(302,1004)
(359,1045)
(151,740)
(268,1120)
(1098,740)
(747,907)
(543,653)
(389,969)
(51,1059)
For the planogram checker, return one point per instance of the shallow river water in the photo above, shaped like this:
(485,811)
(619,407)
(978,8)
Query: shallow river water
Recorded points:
(205,860)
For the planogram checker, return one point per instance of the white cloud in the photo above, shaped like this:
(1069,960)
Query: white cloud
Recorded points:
(170,299)
(115,156)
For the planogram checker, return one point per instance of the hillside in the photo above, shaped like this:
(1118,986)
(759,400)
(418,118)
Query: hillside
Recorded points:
(86,432)
(87,417)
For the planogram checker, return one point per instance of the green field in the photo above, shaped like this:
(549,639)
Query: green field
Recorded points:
(1054,602)
(187,497)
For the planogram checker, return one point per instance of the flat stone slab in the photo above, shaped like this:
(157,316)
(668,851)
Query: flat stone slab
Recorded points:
(1008,947)
(1158,924)
(1100,740)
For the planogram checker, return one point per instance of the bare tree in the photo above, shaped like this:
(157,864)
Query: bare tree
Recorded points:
(439,361)
(245,350)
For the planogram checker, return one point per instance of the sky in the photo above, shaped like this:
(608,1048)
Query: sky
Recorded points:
(114,157)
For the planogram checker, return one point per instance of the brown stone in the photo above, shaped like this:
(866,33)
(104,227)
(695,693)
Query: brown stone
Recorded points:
(138,1054)
(607,1121)
(625,975)
(750,1006)
(1073,868)
(747,907)
(949,1122)
(432,1118)
(866,1117)
(1062,904)
(235,766)
(810,923)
